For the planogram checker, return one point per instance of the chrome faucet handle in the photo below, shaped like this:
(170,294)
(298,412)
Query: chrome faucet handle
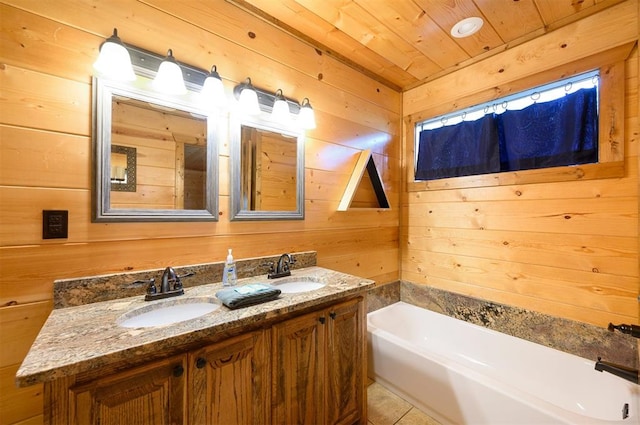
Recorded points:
(177,284)
(151,289)
(269,264)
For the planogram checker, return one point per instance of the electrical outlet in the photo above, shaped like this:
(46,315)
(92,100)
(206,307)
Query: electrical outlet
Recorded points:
(55,224)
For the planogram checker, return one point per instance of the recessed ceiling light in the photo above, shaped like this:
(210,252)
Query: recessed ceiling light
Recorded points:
(467,27)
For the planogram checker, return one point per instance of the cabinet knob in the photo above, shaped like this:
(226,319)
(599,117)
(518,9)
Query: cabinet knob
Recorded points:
(200,362)
(332,315)
(178,371)
(322,320)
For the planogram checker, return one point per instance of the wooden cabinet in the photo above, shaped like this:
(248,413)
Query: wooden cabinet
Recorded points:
(318,367)
(228,382)
(150,394)
(306,370)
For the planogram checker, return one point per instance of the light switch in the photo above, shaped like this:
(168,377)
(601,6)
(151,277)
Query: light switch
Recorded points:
(55,224)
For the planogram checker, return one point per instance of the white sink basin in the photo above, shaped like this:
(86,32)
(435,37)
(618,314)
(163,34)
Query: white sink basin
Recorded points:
(294,285)
(168,312)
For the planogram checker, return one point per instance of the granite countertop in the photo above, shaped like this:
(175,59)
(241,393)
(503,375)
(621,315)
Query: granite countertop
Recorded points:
(87,337)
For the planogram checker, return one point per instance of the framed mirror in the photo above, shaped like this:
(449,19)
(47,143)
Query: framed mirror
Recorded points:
(155,157)
(267,170)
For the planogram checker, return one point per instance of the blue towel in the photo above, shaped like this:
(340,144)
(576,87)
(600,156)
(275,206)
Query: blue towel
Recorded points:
(243,296)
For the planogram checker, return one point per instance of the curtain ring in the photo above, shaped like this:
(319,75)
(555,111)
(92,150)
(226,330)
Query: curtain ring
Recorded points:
(535,96)
(568,86)
(594,80)
(504,105)
(486,109)
(464,115)
(444,120)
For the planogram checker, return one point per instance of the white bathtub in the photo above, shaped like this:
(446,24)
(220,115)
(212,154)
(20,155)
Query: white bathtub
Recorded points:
(460,373)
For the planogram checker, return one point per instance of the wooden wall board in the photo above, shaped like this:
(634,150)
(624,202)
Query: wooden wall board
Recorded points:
(44,158)
(612,255)
(48,49)
(569,249)
(36,100)
(19,325)
(17,404)
(274,43)
(49,262)
(145,26)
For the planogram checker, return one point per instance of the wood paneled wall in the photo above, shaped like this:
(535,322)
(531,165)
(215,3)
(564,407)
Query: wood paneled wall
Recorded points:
(47,49)
(568,249)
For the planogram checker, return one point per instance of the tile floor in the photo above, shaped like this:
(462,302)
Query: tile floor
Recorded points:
(386,408)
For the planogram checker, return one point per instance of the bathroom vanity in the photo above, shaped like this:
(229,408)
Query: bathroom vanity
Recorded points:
(298,359)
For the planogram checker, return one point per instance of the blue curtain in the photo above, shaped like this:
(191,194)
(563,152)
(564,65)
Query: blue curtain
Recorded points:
(550,134)
(464,149)
(561,132)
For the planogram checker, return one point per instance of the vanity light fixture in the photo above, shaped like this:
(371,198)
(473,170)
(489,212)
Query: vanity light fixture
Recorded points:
(212,92)
(467,27)
(254,100)
(307,117)
(248,98)
(114,61)
(280,111)
(169,79)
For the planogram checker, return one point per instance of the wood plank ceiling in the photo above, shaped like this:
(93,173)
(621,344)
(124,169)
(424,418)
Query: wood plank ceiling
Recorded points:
(403,43)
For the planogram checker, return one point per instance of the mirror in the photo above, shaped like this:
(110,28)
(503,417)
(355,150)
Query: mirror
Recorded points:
(156,157)
(267,171)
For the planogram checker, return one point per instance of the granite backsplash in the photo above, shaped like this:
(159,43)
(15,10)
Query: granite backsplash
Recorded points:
(581,339)
(85,290)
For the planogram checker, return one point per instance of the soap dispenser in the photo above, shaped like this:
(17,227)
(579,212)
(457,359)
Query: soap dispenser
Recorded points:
(229,275)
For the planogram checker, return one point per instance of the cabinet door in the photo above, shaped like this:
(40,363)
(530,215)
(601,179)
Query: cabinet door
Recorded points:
(229,381)
(298,368)
(345,364)
(150,394)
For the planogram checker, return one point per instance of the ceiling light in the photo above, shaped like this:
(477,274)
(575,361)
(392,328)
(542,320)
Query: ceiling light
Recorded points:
(114,61)
(169,78)
(280,111)
(307,116)
(467,27)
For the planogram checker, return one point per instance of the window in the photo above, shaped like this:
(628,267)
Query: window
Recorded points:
(549,126)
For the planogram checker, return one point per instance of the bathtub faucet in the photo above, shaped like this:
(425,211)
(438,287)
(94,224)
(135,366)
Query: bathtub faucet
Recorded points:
(618,370)
(633,330)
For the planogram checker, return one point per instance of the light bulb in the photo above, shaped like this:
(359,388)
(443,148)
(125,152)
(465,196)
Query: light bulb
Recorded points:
(249,99)
(169,77)
(280,111)
(307,117)
(114,61)
(212,93)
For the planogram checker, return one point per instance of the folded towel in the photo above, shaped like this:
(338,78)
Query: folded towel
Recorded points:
(246,295)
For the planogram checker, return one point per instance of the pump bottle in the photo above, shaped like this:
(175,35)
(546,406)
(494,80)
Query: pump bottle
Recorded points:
(229,275)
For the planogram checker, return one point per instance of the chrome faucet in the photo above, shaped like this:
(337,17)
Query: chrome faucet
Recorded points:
(623,372)
(170,277)
(282,267)
(170,285)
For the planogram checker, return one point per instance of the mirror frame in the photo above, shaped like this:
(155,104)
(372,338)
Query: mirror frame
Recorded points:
(262,123)
(103,92)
